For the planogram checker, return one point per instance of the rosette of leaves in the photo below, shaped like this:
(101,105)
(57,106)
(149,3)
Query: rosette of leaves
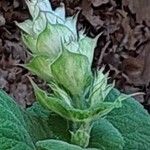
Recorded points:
(62,57)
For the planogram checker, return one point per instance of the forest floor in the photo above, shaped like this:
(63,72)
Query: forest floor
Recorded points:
(124,46)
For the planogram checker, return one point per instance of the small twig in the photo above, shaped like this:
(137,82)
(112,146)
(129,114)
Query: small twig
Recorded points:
(102,53)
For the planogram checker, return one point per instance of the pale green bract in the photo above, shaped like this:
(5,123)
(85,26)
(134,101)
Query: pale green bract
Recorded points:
(54,29)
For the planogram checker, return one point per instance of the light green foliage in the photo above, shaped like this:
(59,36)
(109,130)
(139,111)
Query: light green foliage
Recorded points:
(74,112)
(62,106)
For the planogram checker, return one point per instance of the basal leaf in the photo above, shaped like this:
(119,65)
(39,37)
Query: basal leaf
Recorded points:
(13,132)
(44,124)
(56,145)
(105,137)
(133,122)
(20,130)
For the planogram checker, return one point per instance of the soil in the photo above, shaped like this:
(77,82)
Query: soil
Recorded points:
(123,47)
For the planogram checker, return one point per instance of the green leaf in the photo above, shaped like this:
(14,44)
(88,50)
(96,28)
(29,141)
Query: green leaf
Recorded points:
(73,72)
(133,122)
(44,124)
(20,129)
(105,137)
(13,132)
(36,110)
(56,145)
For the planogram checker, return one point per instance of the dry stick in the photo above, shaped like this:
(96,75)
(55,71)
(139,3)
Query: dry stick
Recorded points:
(102,53)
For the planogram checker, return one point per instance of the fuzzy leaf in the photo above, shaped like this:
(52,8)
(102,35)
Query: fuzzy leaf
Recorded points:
(60,12)
(105,136)
(132,121)
(55,145)
(52,19)
(20,129)
(13,132)
(71,23)
(44,124)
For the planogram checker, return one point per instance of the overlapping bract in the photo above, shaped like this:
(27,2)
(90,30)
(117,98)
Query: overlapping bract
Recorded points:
(63,57)
(48,30)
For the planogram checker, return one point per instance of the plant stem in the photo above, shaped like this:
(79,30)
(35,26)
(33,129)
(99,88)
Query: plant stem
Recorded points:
(81,134)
